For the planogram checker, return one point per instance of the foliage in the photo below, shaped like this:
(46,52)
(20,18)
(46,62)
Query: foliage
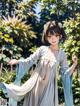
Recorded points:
(18,30)
(76,90)
(72,28)
(58,9)
(14,34)
(72,46)
(7,7)
(26,11)
(7,76)
(9,52)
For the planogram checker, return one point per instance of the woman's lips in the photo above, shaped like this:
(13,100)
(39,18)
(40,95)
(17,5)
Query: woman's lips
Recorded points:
(54,42)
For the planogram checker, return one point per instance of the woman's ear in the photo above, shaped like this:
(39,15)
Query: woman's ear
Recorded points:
(60,36)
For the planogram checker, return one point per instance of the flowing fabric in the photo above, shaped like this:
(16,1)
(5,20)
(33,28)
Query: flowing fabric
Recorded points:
(41,88)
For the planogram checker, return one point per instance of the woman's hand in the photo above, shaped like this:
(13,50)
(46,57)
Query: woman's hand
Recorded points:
(75,62)
(75,59)
(13,62)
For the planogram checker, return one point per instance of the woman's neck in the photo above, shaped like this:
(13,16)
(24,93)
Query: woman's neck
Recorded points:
(54,48)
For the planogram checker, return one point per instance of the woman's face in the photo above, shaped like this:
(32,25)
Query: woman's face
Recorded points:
(53,39)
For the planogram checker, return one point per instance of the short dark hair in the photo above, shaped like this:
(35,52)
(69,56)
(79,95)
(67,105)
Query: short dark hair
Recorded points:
(53,27)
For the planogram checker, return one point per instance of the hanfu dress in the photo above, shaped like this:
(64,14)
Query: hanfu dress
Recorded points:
(41,88)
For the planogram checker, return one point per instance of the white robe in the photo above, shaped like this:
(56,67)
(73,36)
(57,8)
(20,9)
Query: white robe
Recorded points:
(41,88)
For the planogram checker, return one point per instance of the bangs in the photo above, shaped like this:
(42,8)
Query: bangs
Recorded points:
(53,31)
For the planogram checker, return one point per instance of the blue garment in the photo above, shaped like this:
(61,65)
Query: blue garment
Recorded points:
(67,85)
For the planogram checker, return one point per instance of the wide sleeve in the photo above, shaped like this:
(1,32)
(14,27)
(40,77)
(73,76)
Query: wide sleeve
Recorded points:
(66,81)
(25,64)
(21,70)
(64,65)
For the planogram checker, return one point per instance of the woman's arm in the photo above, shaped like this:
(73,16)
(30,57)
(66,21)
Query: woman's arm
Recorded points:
(66,73)
(32,59)
(25,64)
(64,64)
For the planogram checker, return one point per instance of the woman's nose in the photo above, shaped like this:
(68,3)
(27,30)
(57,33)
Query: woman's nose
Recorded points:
(53,37)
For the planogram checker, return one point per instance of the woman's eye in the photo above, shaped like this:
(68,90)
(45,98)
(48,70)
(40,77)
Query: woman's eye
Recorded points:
(56,35)
(49,36)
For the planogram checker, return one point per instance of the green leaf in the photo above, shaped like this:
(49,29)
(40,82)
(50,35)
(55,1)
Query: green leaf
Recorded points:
(6,35)
(6,59)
